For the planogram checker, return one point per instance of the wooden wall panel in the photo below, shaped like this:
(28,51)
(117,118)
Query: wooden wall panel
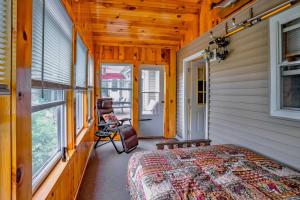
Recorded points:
(137,55)
(21,105)
(5,148)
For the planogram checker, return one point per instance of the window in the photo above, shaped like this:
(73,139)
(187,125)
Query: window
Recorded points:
(48,129)
(116,83)
(51,76)
(5,46)
(81,82)
(90,87)
(79,110)
(285,64)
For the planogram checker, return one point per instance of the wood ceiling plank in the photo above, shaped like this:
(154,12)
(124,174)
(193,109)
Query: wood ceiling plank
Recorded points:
(137,44)
(130,40)
(164,4)
(134,36)
(125,5)
(128,14)
(134,29)
(94,22)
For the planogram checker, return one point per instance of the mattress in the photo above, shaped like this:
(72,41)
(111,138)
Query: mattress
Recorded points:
(212,172)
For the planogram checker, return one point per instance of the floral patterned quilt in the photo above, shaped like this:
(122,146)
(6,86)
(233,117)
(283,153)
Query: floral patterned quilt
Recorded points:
(214,172)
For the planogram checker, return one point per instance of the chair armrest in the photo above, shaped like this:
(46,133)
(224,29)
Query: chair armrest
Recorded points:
(107,124)
(182,144)
(125,119)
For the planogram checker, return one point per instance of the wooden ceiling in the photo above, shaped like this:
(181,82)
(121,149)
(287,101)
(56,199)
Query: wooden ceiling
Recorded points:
(164,23)
(137,22)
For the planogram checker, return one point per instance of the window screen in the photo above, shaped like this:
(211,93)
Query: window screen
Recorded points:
(81,63)
(5,46)
(51,43)
(91,72)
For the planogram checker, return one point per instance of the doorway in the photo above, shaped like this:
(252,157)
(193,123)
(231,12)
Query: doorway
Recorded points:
(151,101)
(195,98)
(196,102)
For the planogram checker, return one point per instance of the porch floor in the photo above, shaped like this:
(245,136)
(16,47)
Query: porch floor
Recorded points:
(106,174)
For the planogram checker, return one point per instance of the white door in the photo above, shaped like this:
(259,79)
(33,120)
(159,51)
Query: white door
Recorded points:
(196,100)
(151,101)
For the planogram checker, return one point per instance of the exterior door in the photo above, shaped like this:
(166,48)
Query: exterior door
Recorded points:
(151,101)
(197,101)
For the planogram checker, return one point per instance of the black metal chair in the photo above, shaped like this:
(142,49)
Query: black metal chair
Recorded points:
(110,129)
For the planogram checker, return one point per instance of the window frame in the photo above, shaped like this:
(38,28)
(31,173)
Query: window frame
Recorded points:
(80,119)
(113,88)
(275,26)
(90,104)
(51,163)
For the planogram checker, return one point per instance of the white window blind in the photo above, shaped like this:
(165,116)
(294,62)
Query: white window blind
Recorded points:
(81,63)
(51,44)
(5,48)
(91,72)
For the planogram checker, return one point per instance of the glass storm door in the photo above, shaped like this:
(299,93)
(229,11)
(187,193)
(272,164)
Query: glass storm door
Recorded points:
(151,101)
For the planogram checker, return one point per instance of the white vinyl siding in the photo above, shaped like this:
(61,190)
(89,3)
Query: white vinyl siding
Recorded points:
(239,109)
(239,92)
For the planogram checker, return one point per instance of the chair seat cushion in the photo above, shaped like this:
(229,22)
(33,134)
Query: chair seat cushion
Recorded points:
(110,118)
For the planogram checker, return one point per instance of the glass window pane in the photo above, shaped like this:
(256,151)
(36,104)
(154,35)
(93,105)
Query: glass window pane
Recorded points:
(116,83)
(150,103)
(290,86)
(116,76)
(79,111)
(90,104)
(46,136)
(291,41)
(39,96)
(150,80)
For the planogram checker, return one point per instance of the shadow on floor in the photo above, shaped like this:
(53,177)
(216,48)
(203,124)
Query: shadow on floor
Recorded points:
(106,174)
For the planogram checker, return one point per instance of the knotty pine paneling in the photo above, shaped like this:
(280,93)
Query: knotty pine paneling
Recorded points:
(137,55)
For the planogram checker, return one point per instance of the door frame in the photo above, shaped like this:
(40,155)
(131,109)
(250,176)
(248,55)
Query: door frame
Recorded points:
(149,66)
(186,63)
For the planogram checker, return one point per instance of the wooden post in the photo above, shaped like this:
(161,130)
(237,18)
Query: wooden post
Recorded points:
(172,94)
(21,99)
(135,97)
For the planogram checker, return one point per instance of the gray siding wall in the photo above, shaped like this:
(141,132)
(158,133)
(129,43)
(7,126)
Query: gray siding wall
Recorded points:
(239,96)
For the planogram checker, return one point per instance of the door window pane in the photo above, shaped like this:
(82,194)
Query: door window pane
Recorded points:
(116,83)
(150,80)
(150,102)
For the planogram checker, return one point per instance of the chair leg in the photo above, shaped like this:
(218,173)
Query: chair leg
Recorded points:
(113,142)
(95,146)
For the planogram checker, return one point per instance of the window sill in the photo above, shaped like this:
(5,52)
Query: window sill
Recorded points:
(45,188)
(83,132)
(286,114)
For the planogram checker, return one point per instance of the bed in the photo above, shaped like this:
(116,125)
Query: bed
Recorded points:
(211,172)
